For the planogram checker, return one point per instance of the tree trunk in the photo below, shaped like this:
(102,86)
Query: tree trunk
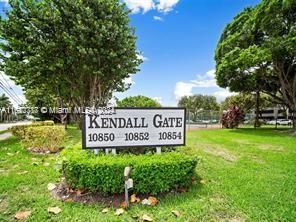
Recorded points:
(294,119)
(257,122)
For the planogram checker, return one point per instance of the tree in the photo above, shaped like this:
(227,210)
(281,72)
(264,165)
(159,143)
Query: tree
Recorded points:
(241,64)
(277,20)
(260,45)
(5,104)
(138,101)
(4,101)
(196,103)
(79,51)
(246,102)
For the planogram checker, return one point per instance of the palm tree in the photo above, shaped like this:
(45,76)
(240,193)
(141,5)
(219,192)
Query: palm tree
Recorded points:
(4,101)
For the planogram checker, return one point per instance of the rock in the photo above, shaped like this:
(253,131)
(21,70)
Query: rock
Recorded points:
(145,202)
(51,186)
(54,210)
(20,215)
(176,213)
(145,217)
(119,211)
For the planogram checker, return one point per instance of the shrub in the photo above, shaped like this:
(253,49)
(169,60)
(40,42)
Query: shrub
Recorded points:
(151,173)
(43,123)
(232,118)
(20,130)
(47,138)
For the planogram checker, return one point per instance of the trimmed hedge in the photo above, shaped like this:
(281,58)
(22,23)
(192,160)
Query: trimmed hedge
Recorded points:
(19,131)
(151,173)
(47,138)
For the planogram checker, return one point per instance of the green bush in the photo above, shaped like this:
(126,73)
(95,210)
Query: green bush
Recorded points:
(20,130)
(47,138)
(151,173)
(43,123)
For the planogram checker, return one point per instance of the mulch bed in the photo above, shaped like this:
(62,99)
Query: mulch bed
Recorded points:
(63,193)
(40,150)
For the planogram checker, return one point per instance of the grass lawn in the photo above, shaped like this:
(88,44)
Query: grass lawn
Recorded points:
(247,175)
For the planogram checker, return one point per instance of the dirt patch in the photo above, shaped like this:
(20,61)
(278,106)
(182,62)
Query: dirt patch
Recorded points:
(63,193)
(192,128)
(4,172)
(269,147)
(257,159)
(216,199)
(224,216)
(3,204)
(40,150)
(225,154)
(242,142)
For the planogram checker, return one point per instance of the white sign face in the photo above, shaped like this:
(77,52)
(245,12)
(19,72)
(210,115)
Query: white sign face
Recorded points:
(131,127)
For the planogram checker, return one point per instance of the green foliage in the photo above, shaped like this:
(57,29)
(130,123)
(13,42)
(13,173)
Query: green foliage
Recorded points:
(19,131)
(43,123)
(247,102)
(257,53)
(47,138)
(241,64)
(78,51)
(151,173)
(242,189)
(197,103)
(138,101)
(40,97)
(4,101)
(244,101)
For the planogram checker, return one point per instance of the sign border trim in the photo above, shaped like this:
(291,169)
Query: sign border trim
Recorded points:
(123,147)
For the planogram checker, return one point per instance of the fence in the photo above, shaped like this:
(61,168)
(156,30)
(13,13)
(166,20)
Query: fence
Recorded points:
(203,119)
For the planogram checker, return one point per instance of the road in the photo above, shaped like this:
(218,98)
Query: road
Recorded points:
(5,126)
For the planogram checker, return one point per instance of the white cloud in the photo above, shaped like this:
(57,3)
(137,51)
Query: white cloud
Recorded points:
(159,100)
(140,56)
(112,101)
(139,5)
(166,5)
(223,94)
(183,89)
(207,83)
(157,18)
(129,81)
(144,6)
(203,81)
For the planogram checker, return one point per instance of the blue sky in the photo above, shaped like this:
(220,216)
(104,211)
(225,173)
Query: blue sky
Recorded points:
(178,39)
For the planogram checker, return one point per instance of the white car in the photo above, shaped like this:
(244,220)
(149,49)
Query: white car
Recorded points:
(285,122)
(272,122)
